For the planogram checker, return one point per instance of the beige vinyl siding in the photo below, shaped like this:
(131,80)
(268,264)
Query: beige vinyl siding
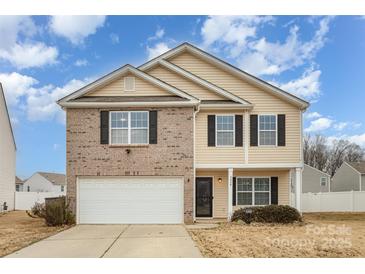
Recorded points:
(220,190)
(184,84)
(142,88)
(263,101)
(214,155)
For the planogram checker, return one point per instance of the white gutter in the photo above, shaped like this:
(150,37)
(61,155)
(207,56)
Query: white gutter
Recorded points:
(225,106)
(194,170)
(125,104)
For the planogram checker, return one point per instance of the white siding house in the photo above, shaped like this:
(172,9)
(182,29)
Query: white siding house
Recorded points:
(7,156)
(45,182)
(315,180)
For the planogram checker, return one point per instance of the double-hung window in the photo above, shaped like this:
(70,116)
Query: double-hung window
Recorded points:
(267,130)
(129,127)
(224,130)
(253,191)
(323,181)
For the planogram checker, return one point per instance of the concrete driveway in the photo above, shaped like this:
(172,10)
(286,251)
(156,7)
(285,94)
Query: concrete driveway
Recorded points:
(115,241)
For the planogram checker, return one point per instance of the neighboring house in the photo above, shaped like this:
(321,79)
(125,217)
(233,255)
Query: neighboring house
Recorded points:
(45,182)
(350,176)
(18,184)
(315,180)
(7,156)
(182,137)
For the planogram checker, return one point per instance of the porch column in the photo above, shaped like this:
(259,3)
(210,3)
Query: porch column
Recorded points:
(230,190)
(298,189)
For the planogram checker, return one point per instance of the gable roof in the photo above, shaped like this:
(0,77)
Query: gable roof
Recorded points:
(316,169)
(202,82)
(7,112)
(358,166)
(66,101)
(18,180)
(187,47)
(54,178)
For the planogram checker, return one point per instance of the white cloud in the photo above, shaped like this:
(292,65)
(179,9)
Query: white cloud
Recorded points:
(56,146)
(114,38)
(76,28)
(340,126)
(39,103)
(266,58)
(231,33)
(312,115)
(15,86)
(160,32)
(319,124)
(81,63)
(357,139)
(30,55)
(157,50)
(307,86)
(17,47)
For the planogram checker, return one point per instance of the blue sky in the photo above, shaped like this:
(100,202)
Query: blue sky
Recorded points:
(321,59)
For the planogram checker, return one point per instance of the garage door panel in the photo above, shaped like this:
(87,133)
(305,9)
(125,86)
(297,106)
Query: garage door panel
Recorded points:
(131,200)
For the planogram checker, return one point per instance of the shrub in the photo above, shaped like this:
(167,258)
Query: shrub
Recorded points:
(58,212)
(39,210)
(268,214)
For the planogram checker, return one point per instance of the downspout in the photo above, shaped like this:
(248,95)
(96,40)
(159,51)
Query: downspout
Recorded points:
(194,172)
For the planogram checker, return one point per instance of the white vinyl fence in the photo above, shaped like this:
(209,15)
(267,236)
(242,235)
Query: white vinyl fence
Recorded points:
(25,200)
(347,201)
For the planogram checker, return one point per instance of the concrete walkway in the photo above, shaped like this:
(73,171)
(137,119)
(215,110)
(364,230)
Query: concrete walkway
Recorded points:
(115,241)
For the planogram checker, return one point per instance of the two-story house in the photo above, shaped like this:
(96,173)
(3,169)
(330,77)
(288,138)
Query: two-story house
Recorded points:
(182,137)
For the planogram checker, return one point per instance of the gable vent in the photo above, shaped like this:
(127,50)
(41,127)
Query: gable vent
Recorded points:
(129,84)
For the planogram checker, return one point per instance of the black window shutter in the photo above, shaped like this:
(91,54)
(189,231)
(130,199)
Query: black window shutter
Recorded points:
(281,130)
(104,127)
(239,132)
(234,202)
(153,127)
(211,130)
(274,190)
(253,130)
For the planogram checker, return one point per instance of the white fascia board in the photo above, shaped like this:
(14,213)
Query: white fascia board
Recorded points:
(118,73)
(230,68)
(224,106)
(324,173)
(250,166)
(202,82)
(126,104)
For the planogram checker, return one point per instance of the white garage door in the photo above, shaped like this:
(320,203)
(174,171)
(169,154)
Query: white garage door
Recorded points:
(130,200)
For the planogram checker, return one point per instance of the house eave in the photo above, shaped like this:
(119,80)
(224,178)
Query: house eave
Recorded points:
(225,106)
(126,104)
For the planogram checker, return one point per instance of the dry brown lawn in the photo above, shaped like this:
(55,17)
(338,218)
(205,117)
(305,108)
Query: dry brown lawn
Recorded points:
(330,235)
(18,230)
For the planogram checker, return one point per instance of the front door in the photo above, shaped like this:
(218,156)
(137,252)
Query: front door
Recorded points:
(204,197)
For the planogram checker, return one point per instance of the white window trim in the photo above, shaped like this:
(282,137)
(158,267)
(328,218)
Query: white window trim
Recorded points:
(253,189)
(134,83)
(320,181)
(234,130)
(129,128)
(276,129)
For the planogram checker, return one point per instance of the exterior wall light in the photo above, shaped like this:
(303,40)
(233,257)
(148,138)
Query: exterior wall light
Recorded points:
(220,180)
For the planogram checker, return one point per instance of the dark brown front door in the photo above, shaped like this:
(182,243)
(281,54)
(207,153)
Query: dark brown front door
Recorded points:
(204,197)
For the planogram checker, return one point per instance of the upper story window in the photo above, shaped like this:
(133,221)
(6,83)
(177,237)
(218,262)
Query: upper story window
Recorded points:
(225,130)
(62,188)
(323,181)
(129,127)
(129,84)
(17,187)
(28,188)
(267,130)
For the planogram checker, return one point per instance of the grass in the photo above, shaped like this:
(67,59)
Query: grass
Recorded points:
(18,230)
(329,235)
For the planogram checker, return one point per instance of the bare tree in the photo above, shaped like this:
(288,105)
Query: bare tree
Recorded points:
(328,157)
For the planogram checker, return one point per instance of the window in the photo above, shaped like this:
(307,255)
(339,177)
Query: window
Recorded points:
(267,130)
(224,130)
(129,84)
(17,187)
(62,188)
(28,188)
(323,181)
(129,127)
(253,191)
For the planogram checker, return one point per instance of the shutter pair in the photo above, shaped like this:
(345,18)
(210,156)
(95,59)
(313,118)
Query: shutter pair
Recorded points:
(274,191)
(238,130)
(104,127)
(254,130)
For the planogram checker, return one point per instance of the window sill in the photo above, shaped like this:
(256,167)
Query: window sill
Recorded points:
(128,146)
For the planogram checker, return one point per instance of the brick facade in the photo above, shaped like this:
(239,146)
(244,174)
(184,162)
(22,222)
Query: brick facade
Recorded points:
(172,155)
